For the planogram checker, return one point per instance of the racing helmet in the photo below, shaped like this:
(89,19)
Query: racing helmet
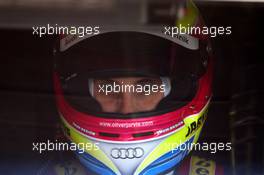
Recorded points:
(147,141)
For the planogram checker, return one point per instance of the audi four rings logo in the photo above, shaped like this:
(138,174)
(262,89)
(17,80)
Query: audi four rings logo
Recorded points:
(127,153)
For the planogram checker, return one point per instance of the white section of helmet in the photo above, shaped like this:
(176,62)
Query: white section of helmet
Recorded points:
(184,40)
(132,154)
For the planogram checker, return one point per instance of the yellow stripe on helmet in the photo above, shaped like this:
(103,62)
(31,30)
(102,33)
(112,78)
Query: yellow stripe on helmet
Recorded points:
(176,139)
(190,17)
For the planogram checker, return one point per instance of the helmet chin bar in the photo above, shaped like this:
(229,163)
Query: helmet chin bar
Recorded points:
(149,156)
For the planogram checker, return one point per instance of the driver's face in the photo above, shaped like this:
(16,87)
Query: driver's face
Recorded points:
(124,101)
